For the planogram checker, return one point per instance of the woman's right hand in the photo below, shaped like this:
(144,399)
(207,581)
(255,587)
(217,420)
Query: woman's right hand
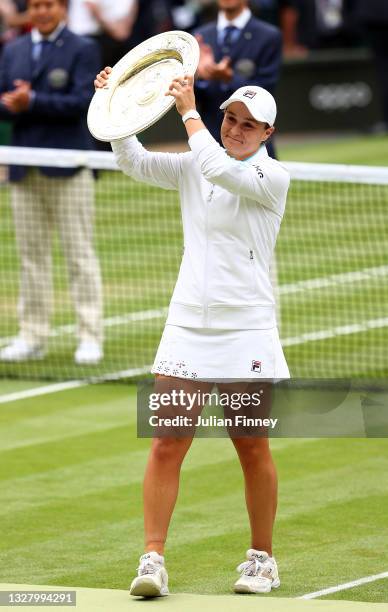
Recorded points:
(101,79)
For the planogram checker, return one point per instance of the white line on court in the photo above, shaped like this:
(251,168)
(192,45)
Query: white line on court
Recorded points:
(324,282)
(54,388)
(72,384)
(334,280)
(144,315)
(340,330)
(323,334)
(344,586)
(129,317)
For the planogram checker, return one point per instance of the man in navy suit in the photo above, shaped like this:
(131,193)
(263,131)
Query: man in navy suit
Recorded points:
(236,50)
(46,84)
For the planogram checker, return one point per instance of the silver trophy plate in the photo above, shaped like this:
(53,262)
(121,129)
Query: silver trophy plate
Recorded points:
(135,96)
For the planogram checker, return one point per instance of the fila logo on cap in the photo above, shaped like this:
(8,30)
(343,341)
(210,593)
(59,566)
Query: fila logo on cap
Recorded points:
(256,366)
(249,93)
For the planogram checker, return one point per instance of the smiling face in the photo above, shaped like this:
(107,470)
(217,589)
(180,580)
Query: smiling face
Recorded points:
(46,15)
(241,134)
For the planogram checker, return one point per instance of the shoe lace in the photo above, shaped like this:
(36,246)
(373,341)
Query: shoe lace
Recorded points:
(251,568)
(147,567)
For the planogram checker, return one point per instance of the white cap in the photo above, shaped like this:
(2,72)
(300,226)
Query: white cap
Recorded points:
(260,103)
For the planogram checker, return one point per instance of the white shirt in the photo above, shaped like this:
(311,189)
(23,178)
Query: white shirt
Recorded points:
(37,37)
(81,21)
(239,22)
(231,214)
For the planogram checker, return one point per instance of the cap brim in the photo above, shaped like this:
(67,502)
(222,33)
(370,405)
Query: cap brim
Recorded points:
(229,101)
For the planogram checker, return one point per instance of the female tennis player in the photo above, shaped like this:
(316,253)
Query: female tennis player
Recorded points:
(221,322)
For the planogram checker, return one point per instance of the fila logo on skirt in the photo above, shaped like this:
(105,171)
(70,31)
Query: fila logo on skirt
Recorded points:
(256,366)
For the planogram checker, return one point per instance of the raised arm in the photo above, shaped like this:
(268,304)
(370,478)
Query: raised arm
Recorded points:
(158,169)
(267,184)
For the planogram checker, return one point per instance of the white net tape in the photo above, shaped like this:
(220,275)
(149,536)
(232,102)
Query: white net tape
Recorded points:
(332,261)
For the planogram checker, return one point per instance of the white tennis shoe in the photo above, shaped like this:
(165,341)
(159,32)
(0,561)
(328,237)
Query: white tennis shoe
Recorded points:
(152,577)
(88,353)
(259,574)
(20,350)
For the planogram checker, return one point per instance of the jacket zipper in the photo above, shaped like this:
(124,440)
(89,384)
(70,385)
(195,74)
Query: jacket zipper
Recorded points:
(253,271)
(205,282)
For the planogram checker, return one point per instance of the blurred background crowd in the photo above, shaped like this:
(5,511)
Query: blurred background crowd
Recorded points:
(118,25)
(308,27)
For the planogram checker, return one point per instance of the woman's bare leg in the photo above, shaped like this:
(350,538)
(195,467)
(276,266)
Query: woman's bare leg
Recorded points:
(161,481)
(260,489)
(257,464)
(161,484)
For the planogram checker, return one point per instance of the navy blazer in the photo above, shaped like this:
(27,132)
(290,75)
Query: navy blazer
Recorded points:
(256,59)
(63,86)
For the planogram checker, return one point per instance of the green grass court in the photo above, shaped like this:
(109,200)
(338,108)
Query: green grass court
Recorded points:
(71,465)
(71,472)
(333,234)
(360,151)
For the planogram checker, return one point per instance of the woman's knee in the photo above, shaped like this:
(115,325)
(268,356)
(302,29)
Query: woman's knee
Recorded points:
(169,449)
(253,450)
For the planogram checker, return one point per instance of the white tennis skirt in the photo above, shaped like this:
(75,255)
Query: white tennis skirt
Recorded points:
(218,354)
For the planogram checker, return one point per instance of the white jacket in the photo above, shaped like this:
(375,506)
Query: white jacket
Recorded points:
(231,212)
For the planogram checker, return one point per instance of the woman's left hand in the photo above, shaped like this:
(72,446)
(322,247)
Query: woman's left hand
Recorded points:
(182,90)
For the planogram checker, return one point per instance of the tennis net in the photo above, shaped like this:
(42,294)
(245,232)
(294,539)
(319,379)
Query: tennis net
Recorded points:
(332,265)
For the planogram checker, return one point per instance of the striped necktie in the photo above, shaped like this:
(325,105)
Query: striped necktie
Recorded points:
(41,50)
(230,35)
